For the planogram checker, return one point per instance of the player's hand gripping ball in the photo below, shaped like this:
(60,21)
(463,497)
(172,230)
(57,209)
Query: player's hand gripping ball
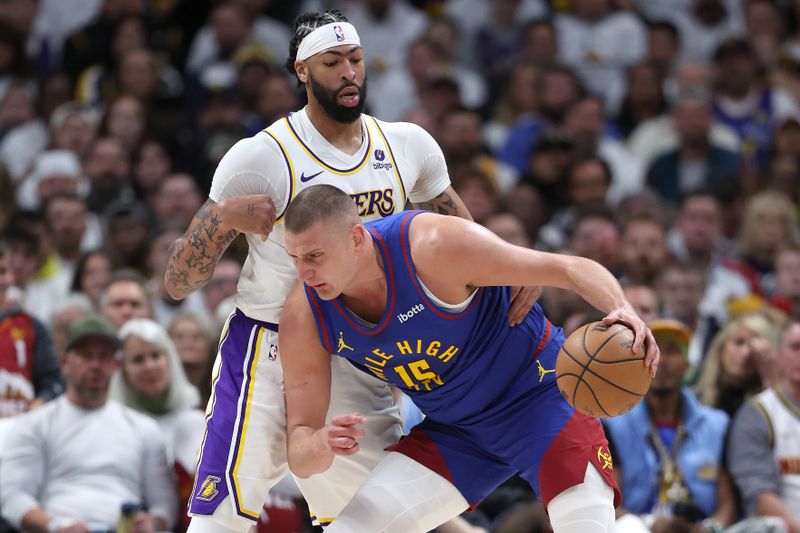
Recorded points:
(598,373)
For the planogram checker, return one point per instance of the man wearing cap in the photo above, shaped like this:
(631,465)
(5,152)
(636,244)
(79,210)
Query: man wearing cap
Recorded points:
(669,447)
(70,466)
(382,166)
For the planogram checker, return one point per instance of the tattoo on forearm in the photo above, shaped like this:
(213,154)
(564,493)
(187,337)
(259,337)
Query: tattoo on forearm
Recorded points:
(443,204)
(192,257)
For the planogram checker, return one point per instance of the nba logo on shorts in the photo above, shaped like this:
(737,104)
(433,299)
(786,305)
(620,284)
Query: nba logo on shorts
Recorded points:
(339,33)
(379,155)
(273,352)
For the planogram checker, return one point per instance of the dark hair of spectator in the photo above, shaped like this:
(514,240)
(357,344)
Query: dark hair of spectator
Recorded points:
(585,160)
(80,267)
(668,27)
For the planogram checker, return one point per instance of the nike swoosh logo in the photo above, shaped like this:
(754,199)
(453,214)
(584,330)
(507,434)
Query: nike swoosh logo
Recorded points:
(304,178)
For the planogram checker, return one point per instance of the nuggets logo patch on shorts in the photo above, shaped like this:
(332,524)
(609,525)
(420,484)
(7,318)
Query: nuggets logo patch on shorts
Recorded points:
(604,458)
(208,489)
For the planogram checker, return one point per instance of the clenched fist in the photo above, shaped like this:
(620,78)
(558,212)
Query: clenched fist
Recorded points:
(253,214)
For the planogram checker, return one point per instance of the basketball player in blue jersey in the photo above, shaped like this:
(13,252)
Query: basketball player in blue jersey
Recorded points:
(419,301)
(381,166)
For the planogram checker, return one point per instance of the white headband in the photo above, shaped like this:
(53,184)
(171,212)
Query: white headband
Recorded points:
(327,36)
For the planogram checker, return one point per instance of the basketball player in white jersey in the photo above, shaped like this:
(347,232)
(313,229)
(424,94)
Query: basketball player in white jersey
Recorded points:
(382,166)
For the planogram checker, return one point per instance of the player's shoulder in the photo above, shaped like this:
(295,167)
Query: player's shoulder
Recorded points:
(402,131)
(256,152)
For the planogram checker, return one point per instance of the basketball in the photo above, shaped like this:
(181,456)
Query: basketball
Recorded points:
(598,373)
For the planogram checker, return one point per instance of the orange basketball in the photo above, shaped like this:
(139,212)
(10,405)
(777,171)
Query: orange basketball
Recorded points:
(597,372)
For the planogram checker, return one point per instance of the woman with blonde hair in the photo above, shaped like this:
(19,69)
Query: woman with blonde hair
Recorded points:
(769,223)
(151,379)
(740,361)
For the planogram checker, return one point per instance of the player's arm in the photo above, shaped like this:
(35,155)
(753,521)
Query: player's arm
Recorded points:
(311,444)
(193,257)
(452,254)
(448,202)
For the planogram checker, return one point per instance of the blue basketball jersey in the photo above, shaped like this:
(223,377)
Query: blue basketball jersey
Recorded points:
(458,367)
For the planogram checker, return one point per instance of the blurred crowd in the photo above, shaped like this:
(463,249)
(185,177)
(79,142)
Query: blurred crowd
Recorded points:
(659,138)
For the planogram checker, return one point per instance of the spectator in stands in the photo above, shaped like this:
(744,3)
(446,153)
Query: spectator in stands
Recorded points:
(643,249)
(704,24)
(680,287)
(461,137)
(644,301)
(125,121)
(764,445)
(92,273)
(696,163)
(600,43)
(596,236)
(23,135)
(644,99)
(769,223)
(585,122)
(557,89)
(65,216)
(108,168)
(276,97)
(75,307)
(586,184)
(539,44)
(151,162)
(196,349)
(97,453)
(696,235)
(124,298)
(663,48)
(786,296)
(738,362)
(53,172)
(745,103)
(151,380)
(29,372)
(669,447)
(129,225)
(73,127)
(508,227)
(177,198)
(517,100)
(222,284)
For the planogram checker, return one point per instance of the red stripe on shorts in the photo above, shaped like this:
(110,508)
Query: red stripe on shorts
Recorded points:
(581,441)
(548,330)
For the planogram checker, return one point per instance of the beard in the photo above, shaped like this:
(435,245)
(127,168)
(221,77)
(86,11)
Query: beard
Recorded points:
(328,100)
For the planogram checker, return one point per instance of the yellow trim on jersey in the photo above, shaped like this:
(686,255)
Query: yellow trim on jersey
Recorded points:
(765,414)
(246,417)
(292,174)
(398,205)
(323,163)
(320,521)
(787,402)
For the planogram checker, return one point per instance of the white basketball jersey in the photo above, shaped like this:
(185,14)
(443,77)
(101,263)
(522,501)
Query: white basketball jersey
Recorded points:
(783,417)
(395,163)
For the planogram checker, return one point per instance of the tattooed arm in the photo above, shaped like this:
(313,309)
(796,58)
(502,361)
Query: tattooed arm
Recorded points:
(447,203)
(193,257)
